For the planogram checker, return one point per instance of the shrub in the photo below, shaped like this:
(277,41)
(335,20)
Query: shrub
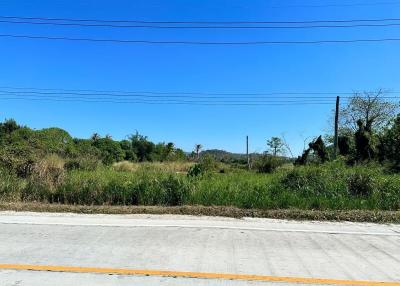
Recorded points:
(195,171)
(268,164)
(360,184)
(389,193)
(208,163)
(176,191)
(10,186)
(45,177)
(18,160)
(84,163)
(325,180)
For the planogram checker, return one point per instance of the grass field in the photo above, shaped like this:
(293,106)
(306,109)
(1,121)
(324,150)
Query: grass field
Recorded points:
(331,186)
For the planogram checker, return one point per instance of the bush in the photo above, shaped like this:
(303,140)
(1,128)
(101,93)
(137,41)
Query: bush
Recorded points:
(268,164)
(18,160)
(83,163)
(389,194)
(176,191)
(45,178)
(360,184)
(321,180)
(195,171)
(10,186)
(207,164)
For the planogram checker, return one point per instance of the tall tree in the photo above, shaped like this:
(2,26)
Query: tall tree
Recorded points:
(197,149)
(142,147)
(276,145)
(371,108)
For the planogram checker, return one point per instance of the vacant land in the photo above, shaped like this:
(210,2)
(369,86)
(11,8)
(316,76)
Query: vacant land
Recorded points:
(329,187)
(360,178)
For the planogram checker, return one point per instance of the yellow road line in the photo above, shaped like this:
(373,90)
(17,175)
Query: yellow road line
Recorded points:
(225,276)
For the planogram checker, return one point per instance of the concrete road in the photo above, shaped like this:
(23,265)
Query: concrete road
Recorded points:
(40,249)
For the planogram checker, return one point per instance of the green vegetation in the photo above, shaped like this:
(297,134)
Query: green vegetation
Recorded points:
(333,186)
(49,166)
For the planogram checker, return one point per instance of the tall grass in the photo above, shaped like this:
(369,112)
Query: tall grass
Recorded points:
(331,186)
(174,166)
(10,186)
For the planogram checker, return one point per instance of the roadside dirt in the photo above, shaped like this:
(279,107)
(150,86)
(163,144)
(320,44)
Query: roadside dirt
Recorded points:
(292,214)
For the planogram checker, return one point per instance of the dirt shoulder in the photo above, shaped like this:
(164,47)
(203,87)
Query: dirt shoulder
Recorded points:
(292,214)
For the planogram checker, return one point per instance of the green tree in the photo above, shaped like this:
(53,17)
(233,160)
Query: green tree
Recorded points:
(126,145)
(276,145)
(8,126)
(142,147)
(110,150)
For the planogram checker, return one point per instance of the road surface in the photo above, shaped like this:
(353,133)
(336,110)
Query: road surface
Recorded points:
(41,249)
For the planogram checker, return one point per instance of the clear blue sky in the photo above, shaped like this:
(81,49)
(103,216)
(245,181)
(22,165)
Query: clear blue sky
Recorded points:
(170,68)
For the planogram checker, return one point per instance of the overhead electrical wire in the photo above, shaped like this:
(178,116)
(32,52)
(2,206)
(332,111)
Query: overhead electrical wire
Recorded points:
(171,98)
(180,95)
(187,99)
(339,5)
(204,43)
(352,23)
(176,99)
(165,103)
(201,27)
(185,94)
(181,92)
(201,22)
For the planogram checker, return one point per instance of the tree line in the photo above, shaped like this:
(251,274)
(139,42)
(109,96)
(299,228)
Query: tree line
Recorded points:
(369,131)
(21,147)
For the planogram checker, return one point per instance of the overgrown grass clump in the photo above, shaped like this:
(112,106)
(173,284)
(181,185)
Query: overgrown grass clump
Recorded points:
(331,186)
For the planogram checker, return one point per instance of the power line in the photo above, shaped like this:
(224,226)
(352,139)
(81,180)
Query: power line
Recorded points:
(163,102)
(195,94)
(181,94)
(178,92)
(340,5)
(205,43)
(167,99)
(172,98)
(201,22)
(201,27)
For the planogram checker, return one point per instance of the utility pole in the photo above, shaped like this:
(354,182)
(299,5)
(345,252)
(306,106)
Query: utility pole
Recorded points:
(336,139)
(247,152)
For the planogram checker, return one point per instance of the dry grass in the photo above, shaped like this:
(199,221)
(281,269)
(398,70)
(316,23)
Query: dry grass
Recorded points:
(125,166)
(291,214)
(49,172)
(173,167)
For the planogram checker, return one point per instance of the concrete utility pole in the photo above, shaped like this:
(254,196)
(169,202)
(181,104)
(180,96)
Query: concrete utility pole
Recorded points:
(247,152)
(336,139)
